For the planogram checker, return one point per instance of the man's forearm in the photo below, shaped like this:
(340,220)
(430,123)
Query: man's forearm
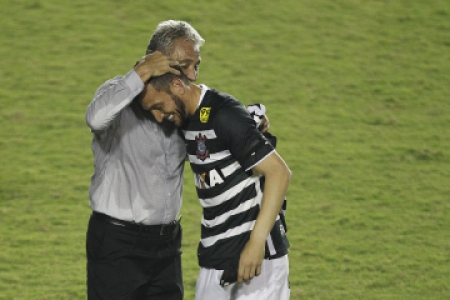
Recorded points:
(275,187)
(277,176)
(111,98)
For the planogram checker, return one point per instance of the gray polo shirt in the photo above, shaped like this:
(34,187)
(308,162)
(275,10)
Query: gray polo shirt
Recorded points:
(138,170)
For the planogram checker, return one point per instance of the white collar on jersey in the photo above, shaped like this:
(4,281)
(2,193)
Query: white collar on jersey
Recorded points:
(202,95)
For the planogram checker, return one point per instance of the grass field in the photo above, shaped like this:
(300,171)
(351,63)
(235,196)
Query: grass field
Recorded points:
(357,92)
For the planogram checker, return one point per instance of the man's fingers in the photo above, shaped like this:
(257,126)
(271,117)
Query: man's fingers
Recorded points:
(173,62)
(240,278)
(251,273)
(173,71)
(156,64)
(265,124)
(258,270)
(165,63)
(248,272)
(243,274)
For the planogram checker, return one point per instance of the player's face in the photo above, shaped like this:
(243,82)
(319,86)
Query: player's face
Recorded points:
(181,114)
(188,55)
(164,107)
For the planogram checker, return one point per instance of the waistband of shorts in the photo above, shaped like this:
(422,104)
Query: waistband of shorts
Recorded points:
(277,255)
(164,229)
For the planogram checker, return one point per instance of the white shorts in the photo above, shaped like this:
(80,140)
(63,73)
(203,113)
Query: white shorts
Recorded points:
(271,284)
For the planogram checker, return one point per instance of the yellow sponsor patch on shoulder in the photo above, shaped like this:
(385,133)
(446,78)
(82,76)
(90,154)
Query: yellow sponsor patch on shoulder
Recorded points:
(204,114)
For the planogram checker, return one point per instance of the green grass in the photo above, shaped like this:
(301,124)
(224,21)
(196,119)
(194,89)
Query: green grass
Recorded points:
(357,92)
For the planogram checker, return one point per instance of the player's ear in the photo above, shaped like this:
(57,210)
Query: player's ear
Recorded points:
(177,87)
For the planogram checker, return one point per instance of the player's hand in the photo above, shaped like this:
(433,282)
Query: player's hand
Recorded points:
(258,113)
(251,260)
(155,64)
(265,124)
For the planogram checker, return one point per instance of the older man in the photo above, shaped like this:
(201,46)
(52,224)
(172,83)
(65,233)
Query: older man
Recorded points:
(134,235)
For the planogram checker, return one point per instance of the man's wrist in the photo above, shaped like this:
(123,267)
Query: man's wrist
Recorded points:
(134,82)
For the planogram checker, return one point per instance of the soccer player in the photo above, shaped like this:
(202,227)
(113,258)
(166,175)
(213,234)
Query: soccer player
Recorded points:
(241,182)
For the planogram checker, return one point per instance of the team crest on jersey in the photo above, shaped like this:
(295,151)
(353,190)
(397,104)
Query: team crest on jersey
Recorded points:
(202,152)
(204,114)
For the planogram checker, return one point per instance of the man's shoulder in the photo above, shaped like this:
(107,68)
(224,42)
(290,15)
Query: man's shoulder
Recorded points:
(113,80)
(131,79)
(220,99)
(220,103)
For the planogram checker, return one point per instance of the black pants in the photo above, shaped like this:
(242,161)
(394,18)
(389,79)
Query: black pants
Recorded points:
(124,264)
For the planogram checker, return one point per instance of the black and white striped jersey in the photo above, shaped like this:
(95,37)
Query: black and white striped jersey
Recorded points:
(223,145)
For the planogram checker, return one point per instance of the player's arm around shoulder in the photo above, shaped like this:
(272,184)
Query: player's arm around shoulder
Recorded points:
(277,175)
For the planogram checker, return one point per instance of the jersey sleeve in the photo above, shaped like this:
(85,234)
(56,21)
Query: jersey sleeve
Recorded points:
(235,127)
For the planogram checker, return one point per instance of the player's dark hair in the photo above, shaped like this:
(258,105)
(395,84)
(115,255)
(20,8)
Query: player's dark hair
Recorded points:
(162,83)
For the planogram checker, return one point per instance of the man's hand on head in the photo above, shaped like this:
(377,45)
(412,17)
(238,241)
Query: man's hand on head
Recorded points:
(155,64)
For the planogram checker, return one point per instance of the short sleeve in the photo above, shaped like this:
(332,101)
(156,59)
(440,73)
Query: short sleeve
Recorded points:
(235,127)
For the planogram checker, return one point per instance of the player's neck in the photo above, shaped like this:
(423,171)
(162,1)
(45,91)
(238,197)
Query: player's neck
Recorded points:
(193,99)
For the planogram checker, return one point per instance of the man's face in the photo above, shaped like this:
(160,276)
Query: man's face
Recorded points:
(188,56)
(163,106)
